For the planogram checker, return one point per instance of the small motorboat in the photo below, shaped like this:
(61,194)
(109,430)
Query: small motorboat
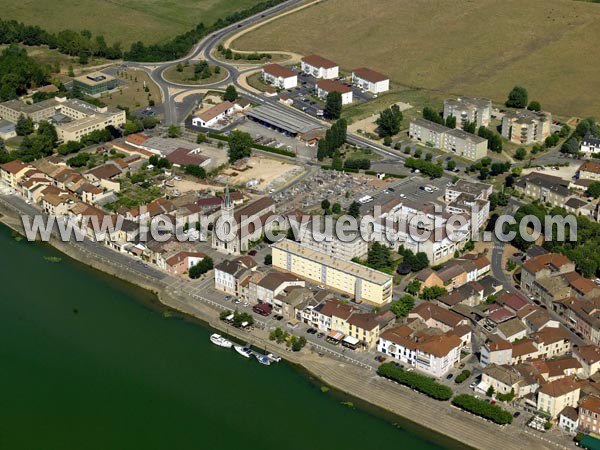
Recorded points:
(263,359)
(273,357)
(219,340)
(244,351)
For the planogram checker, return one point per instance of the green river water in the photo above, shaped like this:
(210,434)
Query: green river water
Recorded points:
(89,362)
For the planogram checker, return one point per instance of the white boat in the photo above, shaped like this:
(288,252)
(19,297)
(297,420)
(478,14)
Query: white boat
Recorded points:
(219,340)
(244,351)
(273,357)
(263,359)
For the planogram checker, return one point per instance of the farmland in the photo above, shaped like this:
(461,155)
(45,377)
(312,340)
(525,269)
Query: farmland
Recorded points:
(125,21)
(457,47)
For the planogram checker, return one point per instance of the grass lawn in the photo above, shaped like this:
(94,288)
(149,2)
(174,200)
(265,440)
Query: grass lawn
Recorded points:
(457,47)
(186,76)
(256,82)
(133,195)
(124,21)
(362,153)
(133,94)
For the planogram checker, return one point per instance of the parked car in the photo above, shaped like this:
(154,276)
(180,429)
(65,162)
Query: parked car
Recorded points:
(320,335)
(380,358)
(311,331)
(517,414)
(252,252)
(449,376)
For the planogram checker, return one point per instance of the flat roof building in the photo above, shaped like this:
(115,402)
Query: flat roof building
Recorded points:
(475,110)
(358,281)
(526,127)
(452,140)
(291,124)
(95,83)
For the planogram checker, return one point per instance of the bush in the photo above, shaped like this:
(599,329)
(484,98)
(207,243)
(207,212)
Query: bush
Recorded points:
(482,409)
(462,376)
(418,382)
(201,268)
(426,167)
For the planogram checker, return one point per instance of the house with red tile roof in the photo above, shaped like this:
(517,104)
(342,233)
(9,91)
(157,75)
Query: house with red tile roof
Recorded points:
(182,261)
(279,76)
(319,67)
(11,172)
(369,80)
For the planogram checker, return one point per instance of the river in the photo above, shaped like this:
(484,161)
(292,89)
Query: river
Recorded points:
(89,362)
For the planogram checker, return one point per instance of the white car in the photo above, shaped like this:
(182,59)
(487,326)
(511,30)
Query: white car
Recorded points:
(28,202)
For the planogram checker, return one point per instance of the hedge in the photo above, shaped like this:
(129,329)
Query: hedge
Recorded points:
(462,376)
(265,148)
(413,380)
(482,409)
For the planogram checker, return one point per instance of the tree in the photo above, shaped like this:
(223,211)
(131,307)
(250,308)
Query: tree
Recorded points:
(268,259)
(174,131)
(231,94)
(336,160)
(325,204)
(564,131)
(534,106)
(240,145)
(354,209)
(433,292)
(490,391)
(520,154)
(45,128)
(333,105)
(451,122)
(413,287)
(470,127)
(593,189)
(379,256)
(336,208)
(389,121)
(195,171)
(570,146)
(24,126)
(322,149)
(451,165)
(403,305)
(201,267)
(432,115)
(586,126)
(517,98)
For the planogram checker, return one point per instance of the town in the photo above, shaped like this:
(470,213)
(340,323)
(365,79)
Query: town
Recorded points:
(509,332)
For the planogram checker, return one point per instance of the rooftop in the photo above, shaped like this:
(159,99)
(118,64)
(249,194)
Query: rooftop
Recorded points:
(278,70)
(319,61)
(333,86)
(369,75)
(371,275)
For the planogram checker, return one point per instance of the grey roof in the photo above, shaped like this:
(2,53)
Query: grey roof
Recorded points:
(6,126)
(292,123)
(27,108)
(433,126)
(460,134)
(591,140)
(575,203)
(467,102)
(549,182)
(168,146)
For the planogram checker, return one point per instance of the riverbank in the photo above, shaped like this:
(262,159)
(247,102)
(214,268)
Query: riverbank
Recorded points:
(345,377)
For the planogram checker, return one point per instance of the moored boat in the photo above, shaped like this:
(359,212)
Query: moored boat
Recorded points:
(273,357)
(244,351)
(263,359)
(219,340)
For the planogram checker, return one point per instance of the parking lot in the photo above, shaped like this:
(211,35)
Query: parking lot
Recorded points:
(304,95)
(273,138)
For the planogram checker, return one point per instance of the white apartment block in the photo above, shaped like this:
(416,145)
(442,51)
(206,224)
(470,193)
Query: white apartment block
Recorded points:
(370,81)
(477,110)
(590,144)
(459,142)
(279,76)
(319,67)
(324,87)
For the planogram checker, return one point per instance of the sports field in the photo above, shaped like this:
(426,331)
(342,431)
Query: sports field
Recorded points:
(126,21)
(462,47)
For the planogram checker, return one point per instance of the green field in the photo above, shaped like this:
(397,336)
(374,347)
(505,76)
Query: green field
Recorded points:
(460,47)
(126,21)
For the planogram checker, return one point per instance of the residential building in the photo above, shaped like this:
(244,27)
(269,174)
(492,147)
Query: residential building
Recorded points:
(185,157)
(589,170)
(434,354)
(568,420)
(214,114)
(271,285)
(496,351)
(544,188)
(474,110)
(542,277)
(589,415)
(279,76)
(526,127)
(229,274)
(364,327)
(7,130)
(324,87)
(435,316)
(360,282)
(11,172)
(470,294)
(504,379)
(319,67)
(556,395)
(466,145)
(332,245)
(590,144)
(589,357)
(583,316)
(551,342)
(512,330)
(182,262)
(94,84)
(370,81)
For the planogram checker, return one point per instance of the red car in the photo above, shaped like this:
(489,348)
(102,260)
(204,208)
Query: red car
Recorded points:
(252,252)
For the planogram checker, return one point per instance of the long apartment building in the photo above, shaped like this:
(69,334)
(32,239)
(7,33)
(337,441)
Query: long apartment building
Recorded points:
(346,277)
(475,110)
(526,127)
(72,118)
(459,142)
